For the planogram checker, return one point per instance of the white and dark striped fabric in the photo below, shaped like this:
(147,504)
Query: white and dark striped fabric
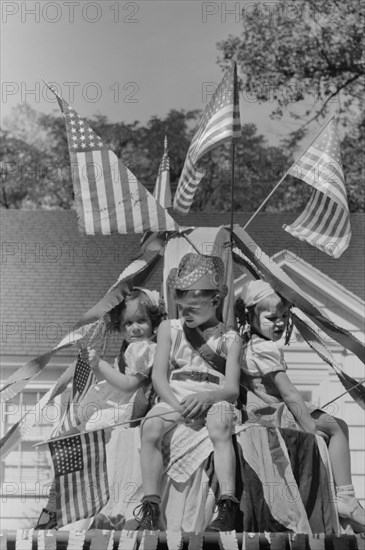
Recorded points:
(80,476)
(325,221)
(220,122)
(108,197)
(162,191)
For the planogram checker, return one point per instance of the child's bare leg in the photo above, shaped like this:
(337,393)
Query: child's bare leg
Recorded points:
(219,425)
(339,453)
(338,447)
(153,430)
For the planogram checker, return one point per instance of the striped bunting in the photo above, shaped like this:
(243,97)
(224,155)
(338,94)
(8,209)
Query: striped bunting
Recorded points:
(174,540)
(228,540)
(325,221)
(102,540)
(162,191)
(24,539)
(76,540)
(47,540)
(23,427)
(108,197)
(128,540)
(220,122)
(80,476)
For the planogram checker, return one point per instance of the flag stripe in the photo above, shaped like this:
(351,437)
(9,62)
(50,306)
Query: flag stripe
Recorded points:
(81,480)
(219,122)
(108,197)
(313,174)
(325,221)
(162,191)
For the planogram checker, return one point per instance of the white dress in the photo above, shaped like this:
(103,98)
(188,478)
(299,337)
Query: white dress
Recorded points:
(104,405)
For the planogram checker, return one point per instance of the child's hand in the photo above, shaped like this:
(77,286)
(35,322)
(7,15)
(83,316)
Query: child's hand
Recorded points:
(194,405)
(90,356)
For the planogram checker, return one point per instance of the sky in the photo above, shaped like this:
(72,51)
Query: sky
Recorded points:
(128,60)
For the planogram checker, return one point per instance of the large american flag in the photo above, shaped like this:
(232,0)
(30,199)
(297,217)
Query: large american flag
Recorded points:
(220,122)
(325,221)
(162,191)
(81,479)
(108,196)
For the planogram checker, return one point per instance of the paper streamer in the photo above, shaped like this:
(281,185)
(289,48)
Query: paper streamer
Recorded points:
(47,540)
(100,539)
(111,540)
(228,540)
(24,539)
(149,540)
(196,541)
(360,539)
(278,541)
(316,541)
(342,543)
(298,541)
(250,541)
(174,540)
(76,540)
(127,540)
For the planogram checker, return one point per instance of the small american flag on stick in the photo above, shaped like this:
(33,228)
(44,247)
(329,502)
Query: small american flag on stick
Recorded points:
(81,479)
(162,191)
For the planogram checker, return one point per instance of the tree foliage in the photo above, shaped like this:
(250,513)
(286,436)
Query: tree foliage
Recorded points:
(307,51)
(306,58)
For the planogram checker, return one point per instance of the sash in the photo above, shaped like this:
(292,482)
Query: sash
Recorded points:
(197,341)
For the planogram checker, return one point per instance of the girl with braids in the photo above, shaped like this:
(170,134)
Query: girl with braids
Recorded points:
(136,319)
(264,318)
(122,391)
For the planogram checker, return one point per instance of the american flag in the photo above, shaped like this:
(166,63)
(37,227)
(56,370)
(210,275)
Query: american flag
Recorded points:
(220,122)
(162,191)
(81,479)
(82,381)
(325,221)
(108,197)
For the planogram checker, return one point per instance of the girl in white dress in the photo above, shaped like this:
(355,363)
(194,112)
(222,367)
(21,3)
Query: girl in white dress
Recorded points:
(123,391)
(274,401)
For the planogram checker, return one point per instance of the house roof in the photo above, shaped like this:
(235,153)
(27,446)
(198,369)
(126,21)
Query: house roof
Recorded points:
(51,274)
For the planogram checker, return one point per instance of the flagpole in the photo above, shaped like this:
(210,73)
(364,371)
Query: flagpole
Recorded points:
(124,423)
(286,173)
(342,394)
(233,147)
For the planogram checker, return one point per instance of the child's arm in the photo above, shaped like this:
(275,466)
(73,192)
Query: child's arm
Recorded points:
(104,371)
(294,401)
(197,403)
(160,368)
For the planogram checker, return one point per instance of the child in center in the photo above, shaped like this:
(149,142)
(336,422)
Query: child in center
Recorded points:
(264,316)
(189,379)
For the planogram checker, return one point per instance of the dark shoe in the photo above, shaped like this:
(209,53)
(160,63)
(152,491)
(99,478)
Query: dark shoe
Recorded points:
(227,512)
(47,520)
(148,515)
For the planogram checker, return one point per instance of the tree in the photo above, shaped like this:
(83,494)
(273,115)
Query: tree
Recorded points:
(257,168)
(22,173)
(291,51)
(302,57)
